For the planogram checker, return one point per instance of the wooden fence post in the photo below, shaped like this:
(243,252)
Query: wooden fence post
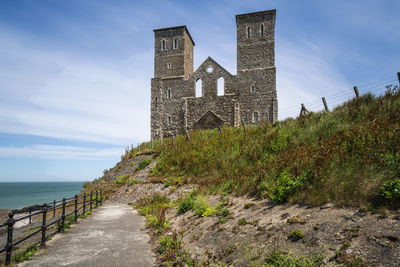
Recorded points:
(398,76)
(356,92)
(303,110)
(44,227)
(187,136)
(325,104)
(201,134)
(10,229)
(244,126)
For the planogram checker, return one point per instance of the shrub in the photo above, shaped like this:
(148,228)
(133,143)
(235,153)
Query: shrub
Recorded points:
(242,221)
(296,235)
(154,208)
(122,179)
(134,181)
(391,190)
(186,204)
(198,204)
(285,186)
(143,164)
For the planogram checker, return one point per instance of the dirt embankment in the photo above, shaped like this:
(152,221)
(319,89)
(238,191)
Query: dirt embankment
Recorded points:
(255,228)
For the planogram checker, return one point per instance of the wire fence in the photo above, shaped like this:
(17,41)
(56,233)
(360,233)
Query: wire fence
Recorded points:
(335,99)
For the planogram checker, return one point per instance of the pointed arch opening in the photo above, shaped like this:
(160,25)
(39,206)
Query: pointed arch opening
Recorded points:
(199,88)
(221,86)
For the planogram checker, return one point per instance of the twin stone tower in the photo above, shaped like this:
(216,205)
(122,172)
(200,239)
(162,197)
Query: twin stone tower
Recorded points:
(183,99)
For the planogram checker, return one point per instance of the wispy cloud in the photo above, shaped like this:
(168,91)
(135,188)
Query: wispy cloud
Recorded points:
(60,95)
(306,72)
(59,152)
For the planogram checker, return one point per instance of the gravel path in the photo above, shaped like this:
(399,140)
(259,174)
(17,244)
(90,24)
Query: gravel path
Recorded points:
(112,236)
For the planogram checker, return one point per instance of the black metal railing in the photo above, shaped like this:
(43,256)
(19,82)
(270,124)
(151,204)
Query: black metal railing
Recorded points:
(77,202)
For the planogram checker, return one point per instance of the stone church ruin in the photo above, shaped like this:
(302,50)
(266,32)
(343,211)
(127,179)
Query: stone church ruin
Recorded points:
(183,99)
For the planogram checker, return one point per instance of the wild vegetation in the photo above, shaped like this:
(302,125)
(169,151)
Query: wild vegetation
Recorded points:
(349,156)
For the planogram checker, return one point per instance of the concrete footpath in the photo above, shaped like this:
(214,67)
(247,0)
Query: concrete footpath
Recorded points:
(112,235)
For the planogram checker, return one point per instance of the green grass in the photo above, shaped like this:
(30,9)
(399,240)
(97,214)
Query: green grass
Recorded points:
(296,235)
(143,164)
(122,179)
(154,208)
(348,156)
(285,259)
(197,203)
(29,252)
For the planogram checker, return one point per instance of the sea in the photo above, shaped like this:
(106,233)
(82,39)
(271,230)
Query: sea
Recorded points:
(24,194)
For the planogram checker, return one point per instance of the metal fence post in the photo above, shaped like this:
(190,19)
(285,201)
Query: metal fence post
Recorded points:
(10,223)
(30,215)
(63,215)
(76,207)
(84,204)
(54,208)
(44,227)
(91,198)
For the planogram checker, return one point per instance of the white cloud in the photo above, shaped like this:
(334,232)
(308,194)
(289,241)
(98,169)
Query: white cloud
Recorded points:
(60,95)
(305,73)
(60,152)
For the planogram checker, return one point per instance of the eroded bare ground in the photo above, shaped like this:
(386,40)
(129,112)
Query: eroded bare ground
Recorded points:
(340,235)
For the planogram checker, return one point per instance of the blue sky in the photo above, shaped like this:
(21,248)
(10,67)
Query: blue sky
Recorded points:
(75,75)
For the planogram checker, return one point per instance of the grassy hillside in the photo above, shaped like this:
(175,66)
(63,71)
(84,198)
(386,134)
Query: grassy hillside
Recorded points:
(349,156)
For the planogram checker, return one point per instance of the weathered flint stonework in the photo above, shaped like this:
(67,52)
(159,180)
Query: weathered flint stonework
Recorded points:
(183,100)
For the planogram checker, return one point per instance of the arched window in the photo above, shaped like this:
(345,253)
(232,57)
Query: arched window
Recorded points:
(169,65)
(255,117)
(248,30)
(221,86)
(262,29)
(267,116)
(156,102)
(175,43)
(169,120)
(199,89)
(163,45)
(253,89)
